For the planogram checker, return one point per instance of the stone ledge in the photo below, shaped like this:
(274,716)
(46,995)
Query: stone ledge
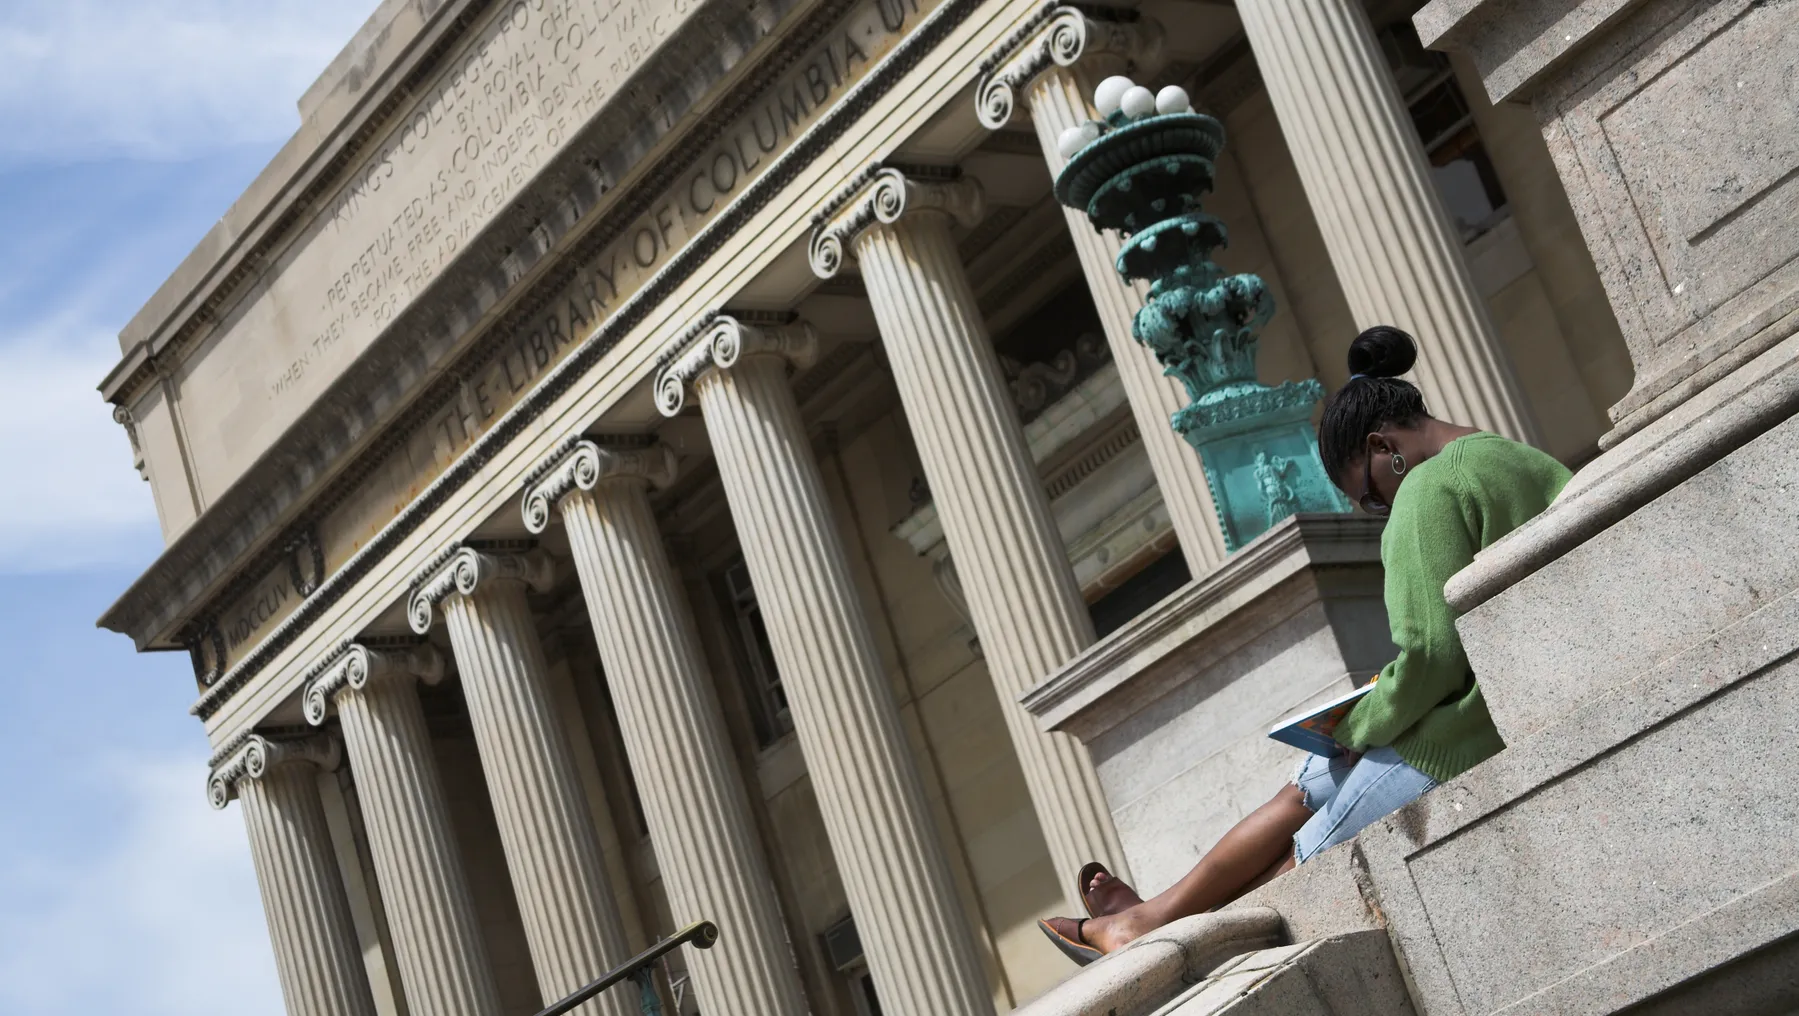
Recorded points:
(1643,901)
(1071,699)
(1515,43)
(1143,976)
(1353,974)
(1645,466)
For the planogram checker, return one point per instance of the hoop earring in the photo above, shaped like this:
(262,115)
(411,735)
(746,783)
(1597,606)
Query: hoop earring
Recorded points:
(1398,464)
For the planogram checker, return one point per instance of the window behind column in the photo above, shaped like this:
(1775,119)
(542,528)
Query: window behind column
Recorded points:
(761,678)
(1463,174)
(844,949)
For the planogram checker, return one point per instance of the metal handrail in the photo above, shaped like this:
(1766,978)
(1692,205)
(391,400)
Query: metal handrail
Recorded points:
(642,969)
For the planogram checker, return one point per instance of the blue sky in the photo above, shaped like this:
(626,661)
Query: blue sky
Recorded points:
(126,128)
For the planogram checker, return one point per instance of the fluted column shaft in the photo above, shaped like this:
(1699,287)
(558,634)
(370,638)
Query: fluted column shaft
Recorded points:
(316,952)
(546,829)
(1014,569)
(674,735)
(920,950)
(1058,101)
(1364,173)
(443,961)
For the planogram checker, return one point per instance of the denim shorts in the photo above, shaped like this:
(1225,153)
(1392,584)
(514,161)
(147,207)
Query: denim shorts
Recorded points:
(1346,799)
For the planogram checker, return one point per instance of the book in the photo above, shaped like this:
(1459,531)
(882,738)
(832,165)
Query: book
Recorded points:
(1311,731)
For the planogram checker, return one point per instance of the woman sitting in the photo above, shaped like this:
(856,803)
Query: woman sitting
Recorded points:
(1448,491)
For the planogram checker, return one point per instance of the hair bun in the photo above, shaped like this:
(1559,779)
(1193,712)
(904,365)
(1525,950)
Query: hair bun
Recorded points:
(1382,351)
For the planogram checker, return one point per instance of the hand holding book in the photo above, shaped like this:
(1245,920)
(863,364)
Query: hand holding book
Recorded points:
(1312,730)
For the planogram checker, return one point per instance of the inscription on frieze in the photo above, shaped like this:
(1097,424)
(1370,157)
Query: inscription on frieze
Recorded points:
(700,192)
(496,113)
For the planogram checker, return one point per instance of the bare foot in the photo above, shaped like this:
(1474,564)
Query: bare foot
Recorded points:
(1115,931)
(1107,895)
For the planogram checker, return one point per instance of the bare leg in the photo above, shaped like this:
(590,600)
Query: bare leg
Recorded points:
(1254,851)
(1275,870)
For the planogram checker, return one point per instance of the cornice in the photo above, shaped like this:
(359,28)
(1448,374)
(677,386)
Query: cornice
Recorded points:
(682,264)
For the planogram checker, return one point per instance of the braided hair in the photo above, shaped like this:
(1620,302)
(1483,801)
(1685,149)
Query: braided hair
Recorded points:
(1374,397)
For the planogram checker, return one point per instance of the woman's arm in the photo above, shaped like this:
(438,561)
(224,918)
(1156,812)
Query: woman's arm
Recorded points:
(1429,537)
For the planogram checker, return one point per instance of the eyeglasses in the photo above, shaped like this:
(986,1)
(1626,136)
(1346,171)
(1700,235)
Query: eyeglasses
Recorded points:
(1370,501)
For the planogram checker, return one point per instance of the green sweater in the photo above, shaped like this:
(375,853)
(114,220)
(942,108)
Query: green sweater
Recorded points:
(1426,703)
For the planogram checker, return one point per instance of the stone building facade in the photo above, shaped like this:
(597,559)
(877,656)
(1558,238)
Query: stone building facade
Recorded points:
(629,462)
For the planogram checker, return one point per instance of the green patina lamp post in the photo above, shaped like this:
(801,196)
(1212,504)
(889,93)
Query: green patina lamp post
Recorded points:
(1142,172)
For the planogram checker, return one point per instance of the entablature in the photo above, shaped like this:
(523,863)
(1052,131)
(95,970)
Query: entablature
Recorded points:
(518,300)
(604,375)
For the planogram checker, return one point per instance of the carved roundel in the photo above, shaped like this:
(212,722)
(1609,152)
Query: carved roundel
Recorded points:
(306,562)
(206,647)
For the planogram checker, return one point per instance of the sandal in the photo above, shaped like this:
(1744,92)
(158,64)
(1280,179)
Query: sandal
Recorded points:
(1074,948)
(1084,878)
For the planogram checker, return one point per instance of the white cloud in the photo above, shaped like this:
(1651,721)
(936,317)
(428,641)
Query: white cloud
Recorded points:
(163,920)
(72,499)
(83,79)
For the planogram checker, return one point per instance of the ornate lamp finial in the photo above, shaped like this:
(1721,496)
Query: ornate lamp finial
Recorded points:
(1142,170)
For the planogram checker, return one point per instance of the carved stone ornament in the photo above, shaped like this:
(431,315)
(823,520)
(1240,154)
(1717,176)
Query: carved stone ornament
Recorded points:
(257,755)
(306,562)
(1058,36)
(583,465)
(206,647)
(123,417)
(460,572)
(354,666)
(719,346)
(880,196)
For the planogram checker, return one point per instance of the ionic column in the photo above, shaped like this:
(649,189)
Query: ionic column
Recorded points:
(1365,177)
(431,917)
(919,947)
(674,734)
(316,952)
(546,828)
(1014,569)
(1040,61)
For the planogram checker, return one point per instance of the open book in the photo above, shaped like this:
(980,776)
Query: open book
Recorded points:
(1312,730)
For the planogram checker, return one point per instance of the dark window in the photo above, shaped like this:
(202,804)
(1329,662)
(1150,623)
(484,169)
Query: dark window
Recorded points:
(1464,176)
(844,949)
(1139,593)
(870,1004)
(762,679)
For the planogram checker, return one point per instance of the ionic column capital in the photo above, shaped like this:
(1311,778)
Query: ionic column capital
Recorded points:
(255,756)
(460,572)
(718,342)
(583,465)
(880,196)
(355,666)
(1059,35)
